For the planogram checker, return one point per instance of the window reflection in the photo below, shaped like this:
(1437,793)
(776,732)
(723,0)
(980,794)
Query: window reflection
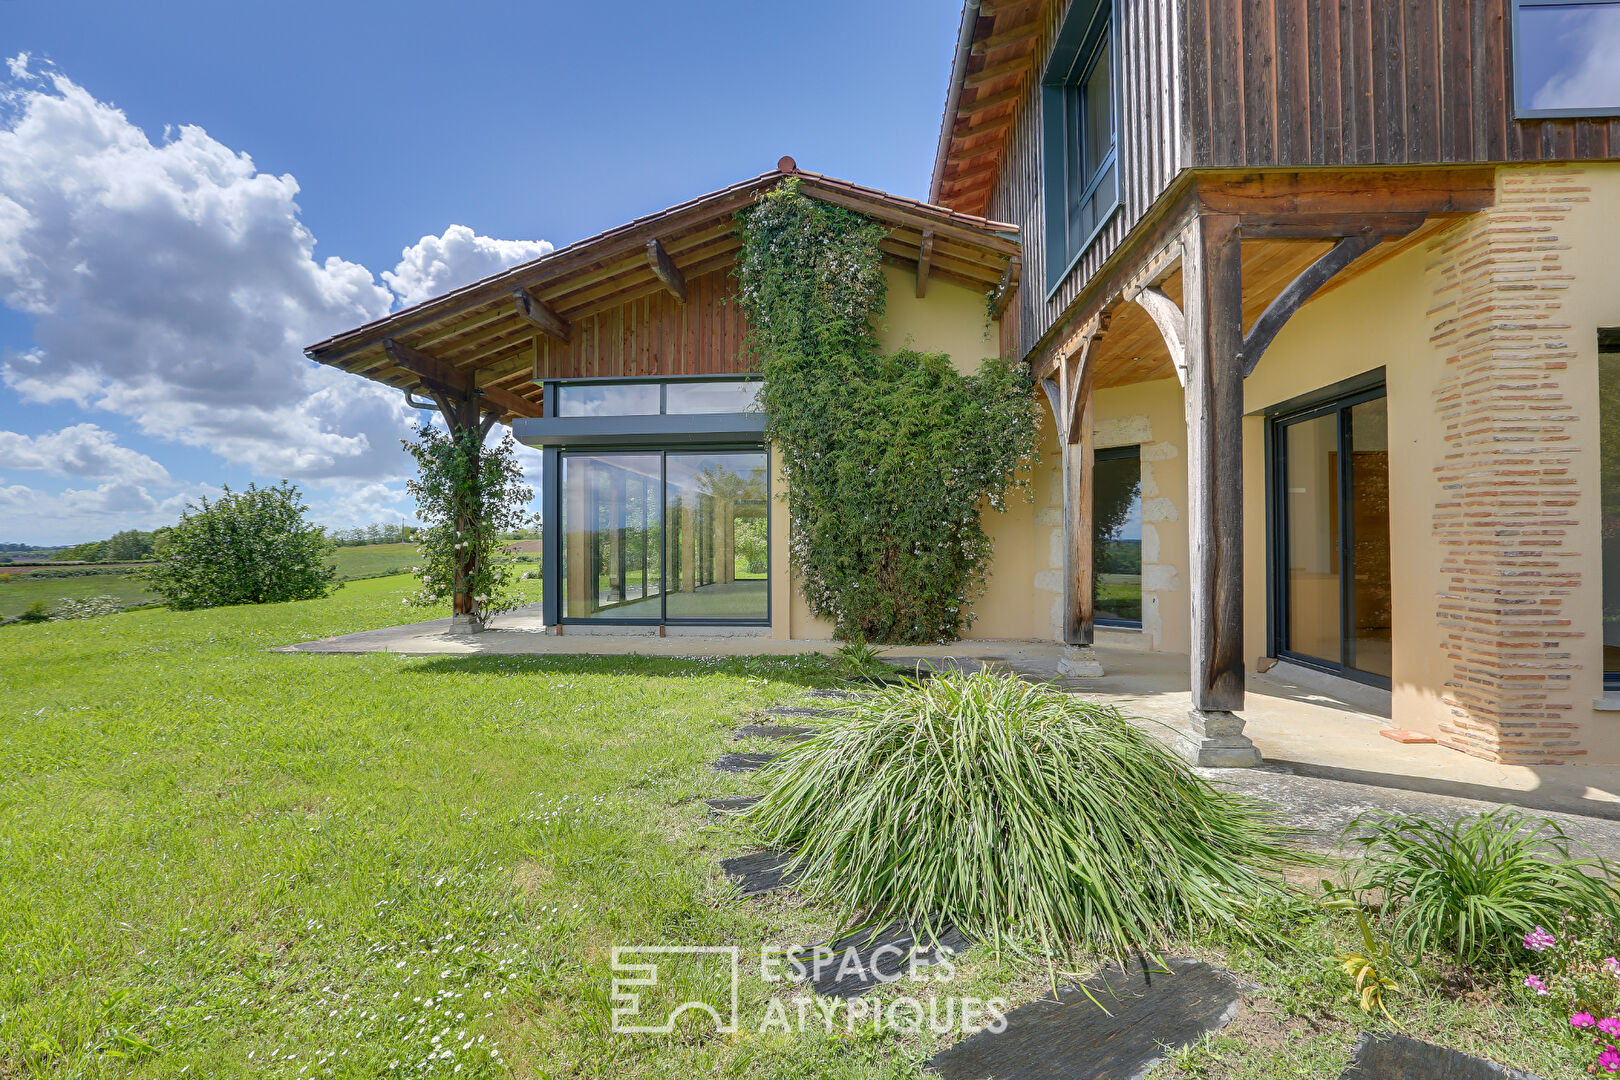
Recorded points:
(1116,551)
(1565,57)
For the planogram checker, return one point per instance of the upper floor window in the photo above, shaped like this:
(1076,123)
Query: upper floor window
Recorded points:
(1080,135)
(1563,58)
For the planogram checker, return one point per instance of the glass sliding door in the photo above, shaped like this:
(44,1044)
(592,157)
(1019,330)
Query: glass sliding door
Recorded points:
(716,550)
(656,536)
(612,511)
(1331,594)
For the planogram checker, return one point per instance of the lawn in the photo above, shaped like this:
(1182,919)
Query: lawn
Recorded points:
(217,860)
(353,563)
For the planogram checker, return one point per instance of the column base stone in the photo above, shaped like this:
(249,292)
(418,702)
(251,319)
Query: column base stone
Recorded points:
(1080,662)
(1214,740)
(466,624)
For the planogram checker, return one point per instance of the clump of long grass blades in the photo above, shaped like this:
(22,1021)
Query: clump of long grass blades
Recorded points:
(1471,888)
(1023,816)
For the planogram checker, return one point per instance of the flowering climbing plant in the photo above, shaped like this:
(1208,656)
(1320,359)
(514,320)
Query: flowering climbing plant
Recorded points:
(467,494)
(889,458)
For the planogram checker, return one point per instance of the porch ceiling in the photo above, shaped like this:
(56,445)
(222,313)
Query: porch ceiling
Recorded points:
(490,331)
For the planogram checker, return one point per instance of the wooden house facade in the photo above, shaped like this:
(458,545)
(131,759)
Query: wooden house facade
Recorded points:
(1336,274)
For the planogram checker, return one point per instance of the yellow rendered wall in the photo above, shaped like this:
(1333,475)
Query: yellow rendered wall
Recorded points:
(952,320)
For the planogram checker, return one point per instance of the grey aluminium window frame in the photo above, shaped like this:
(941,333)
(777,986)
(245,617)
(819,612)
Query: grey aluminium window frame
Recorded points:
(1089,25)
(662,434)
(1522,113)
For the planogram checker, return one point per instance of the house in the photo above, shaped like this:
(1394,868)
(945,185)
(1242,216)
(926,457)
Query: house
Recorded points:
(1321,297)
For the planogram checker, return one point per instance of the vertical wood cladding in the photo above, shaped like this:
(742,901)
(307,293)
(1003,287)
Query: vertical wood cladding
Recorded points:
(1285,83)
(654,335)
(1150,136)
(1364,82)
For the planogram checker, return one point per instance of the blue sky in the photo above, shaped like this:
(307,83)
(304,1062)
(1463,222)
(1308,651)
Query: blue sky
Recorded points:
(190,191)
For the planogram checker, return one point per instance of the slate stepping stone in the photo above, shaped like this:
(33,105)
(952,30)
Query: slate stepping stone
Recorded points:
(1396,1057)
(785,732)
(759,872)
(837,695)
(742,762)
(1071,1037)
(876,960)
(733,805)
(798,710)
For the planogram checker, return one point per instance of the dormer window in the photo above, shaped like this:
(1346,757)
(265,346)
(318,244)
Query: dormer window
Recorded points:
(1078,109)
(1563,58)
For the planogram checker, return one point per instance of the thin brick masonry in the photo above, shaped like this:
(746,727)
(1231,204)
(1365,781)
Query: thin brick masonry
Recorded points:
(1506,495)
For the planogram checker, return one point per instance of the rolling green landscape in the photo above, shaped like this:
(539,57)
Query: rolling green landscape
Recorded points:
(24,589)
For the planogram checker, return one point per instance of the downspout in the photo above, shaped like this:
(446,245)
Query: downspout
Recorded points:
(964,43)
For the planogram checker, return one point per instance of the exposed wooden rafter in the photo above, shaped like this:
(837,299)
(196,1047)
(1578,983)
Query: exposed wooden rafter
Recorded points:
(925,261)
(540,315)
(992,72)
(664,268)
(1024,32)
(444,382)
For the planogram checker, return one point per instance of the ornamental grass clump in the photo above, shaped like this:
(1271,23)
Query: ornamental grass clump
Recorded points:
(1022,816)
(1474,888)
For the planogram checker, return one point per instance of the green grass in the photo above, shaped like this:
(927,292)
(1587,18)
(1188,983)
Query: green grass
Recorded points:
(353,563)
(213,856)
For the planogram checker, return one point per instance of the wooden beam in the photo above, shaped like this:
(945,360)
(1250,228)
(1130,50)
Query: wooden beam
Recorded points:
(939,221)
(1017,64)
(967,128)
(427,367)
(924,261)
(509,403)
(1021,33)
(989,101)
(1329,226)
(1212,283)
(1301,289)
(1172,323)
(1009,284)
(1071,396)
(540,315)
(663,267)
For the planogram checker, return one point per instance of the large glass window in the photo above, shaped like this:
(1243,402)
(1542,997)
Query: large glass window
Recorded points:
(665,536)
(655,398)
(612,562)
(1331,580)
(711,396)
(608,399)
(1078,97)
(1116,544)
(1564,57)
(1609,449)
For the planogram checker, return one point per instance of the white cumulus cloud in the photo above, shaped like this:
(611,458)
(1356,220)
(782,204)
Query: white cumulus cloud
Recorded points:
(436,264)
(172,282)
(83,450)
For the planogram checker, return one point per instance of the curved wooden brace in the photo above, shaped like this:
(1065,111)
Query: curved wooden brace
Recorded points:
(1172,323)
(1301,289)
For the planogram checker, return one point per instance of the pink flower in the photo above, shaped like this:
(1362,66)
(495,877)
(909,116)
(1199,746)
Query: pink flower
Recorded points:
(1582,1020)
(1609,1026)
(1609,1060)
(1538,940)
(1535,984)
(1613,965)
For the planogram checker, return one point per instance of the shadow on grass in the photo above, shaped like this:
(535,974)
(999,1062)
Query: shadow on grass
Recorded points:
(809,670)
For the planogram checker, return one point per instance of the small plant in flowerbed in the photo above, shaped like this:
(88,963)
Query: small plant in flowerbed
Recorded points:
(1575,974)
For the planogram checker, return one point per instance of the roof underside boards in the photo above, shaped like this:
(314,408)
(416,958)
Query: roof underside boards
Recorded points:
(1004,43)
(649,297)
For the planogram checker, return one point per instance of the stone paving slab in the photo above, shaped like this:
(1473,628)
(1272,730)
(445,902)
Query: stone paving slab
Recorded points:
(862,961)
(1396,1057)
(799,710)
(742,762)
(786,732)
(1072,1038)
(759,872)
(831,694)
(734,804)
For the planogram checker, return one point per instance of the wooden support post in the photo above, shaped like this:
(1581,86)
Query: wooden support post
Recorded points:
(1212,289)
(664,269)
(1070,396)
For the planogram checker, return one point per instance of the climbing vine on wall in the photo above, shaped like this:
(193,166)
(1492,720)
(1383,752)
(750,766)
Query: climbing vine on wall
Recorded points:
(889,458)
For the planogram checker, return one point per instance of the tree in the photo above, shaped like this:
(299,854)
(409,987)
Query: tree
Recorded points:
(246,547)
(468,495)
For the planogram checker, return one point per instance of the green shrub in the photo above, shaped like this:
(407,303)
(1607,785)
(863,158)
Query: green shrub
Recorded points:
(38,611)
(1021,815)
(1472,888)
(246,547)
